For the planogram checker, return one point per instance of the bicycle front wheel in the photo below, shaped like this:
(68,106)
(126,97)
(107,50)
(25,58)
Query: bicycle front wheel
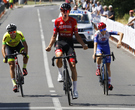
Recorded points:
(20,80)
(67,86)
(105,80)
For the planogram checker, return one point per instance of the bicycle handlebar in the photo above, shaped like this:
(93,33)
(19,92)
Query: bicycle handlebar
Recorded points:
(16,53)
(69,56)
(104,55)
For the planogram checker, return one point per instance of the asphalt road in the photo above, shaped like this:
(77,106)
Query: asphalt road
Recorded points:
(41,89)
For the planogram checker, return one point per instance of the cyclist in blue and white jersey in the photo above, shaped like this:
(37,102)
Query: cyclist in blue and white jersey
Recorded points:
(101,44)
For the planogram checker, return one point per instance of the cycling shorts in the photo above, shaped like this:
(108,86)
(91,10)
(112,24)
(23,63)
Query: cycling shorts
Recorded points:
(11,50)
(105,50)
(67,48)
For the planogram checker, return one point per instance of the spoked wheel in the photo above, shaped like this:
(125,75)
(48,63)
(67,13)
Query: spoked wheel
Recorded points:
(67,86)
(20,78)
(105,80)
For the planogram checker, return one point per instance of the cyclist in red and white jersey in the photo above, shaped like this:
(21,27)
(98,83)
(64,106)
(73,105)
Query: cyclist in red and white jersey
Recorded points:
(65,26)
(101,44)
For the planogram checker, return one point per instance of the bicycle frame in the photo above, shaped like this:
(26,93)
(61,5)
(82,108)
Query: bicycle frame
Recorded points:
(67,80)
(104,72)
(18,73)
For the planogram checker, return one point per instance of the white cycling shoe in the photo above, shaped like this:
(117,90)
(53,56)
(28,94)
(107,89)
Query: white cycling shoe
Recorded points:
(60,78)
(75,94)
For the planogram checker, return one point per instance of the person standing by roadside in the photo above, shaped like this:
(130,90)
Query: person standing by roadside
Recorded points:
(105,12)
(131,24)
(111,13)
(99,8)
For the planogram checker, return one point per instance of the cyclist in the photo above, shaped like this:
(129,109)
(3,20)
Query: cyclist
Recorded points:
(101,44)
(65,26)
(13,40)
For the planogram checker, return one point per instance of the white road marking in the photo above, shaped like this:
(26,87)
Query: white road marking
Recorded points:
(63,108)
(56,101)
(47,70)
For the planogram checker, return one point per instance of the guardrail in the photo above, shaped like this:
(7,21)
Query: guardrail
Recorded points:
(128,41)
(2,9)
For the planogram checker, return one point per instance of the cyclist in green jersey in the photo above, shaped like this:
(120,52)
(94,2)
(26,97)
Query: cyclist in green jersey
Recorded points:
(13,40)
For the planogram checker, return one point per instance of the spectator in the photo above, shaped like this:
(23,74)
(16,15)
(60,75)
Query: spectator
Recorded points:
(94,9)
(80,4)
(67,1)
(87,5)
(90,5)
(99,8)
(83,4)
(105,12)
(75,7)
(95,2)
(111,13)
(131,24)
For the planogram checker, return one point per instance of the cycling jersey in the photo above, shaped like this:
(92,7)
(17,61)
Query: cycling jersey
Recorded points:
(65,29)
(103,40)
(65,32)
(7,40)
(103,43)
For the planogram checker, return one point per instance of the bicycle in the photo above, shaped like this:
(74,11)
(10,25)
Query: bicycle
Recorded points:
(67,83)
(19,78)
(103,79)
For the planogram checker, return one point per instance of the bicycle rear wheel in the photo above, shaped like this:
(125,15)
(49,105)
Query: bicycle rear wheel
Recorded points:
(105,80)
(67,86)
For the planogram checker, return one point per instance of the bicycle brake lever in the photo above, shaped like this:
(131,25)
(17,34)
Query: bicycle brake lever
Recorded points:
(53,61)
(113,56)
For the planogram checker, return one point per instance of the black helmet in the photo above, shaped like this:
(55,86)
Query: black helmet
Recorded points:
(65,6)
(11,27)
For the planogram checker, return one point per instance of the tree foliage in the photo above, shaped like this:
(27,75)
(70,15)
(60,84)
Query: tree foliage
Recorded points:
(121,7)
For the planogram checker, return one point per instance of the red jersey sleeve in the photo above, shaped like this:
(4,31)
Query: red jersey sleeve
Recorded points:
(75,29)
(55,30)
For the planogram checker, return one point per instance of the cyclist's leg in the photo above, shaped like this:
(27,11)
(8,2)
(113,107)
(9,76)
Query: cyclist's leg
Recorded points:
(98,52)
(108,62)
(58,52)
(72,64)
(20,48)
(10,50)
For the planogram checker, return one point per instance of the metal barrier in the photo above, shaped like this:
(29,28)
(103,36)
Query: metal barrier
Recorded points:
(2,9)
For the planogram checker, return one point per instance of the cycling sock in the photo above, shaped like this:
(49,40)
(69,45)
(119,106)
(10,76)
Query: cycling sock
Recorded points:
(24,65)
(13,81)
(98,66)
(74,85)
(109,80)
(60,70)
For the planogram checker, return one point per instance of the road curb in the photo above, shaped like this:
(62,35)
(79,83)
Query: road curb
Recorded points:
(124,46)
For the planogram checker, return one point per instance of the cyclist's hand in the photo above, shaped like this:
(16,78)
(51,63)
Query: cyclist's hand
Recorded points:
(85,47)
(5,60)
(48,48)
(93,56)
(119,45)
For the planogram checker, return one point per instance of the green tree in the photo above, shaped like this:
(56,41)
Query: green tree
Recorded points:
(121,7)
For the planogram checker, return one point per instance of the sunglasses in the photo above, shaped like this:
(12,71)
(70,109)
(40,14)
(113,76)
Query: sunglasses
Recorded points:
(13,32)
(103,30)
(65,11)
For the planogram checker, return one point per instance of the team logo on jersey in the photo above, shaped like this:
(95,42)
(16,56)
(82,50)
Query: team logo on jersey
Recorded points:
(61,22)
(65,30)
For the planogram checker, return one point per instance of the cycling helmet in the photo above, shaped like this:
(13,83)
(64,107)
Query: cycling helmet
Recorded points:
(11,27)
(65,6)
(101,25)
